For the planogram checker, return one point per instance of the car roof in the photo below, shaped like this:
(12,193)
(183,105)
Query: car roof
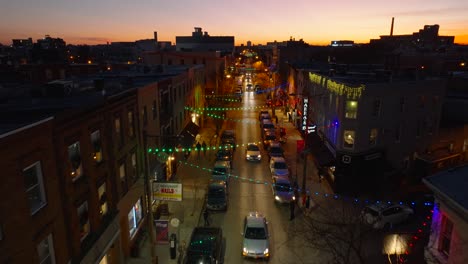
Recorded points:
(255,219)
(275,144)
(282,180)
(221,163)
(217,183)
(278,159)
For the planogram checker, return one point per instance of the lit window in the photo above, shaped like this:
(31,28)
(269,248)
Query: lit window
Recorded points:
(45,250)
(102,199)
(118,130)
(348,140)
(33,183)
(445,235)
(134,218)
(74,156)
(83,218)
(123,177)
(134,166)
(97,149)
(373,137)
(351,109)
(131,127)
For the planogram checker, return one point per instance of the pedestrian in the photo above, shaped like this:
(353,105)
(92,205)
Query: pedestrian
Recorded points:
(204,148)
(206,216)
(198,146)
(291,208)
(187,153)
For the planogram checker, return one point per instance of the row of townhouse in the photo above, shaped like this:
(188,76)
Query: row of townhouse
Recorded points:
(74,167)
(370,125)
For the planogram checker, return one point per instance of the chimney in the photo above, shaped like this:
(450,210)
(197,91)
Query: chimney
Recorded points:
(156,36)
(391,28)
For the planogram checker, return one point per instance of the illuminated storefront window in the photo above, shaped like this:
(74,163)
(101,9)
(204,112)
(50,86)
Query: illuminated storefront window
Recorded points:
(351,109)
(134,218)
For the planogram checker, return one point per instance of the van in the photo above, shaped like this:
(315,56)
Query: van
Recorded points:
(216,197)
(221,171)
(206,246)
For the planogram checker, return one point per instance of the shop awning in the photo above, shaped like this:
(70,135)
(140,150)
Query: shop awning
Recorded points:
(189,134)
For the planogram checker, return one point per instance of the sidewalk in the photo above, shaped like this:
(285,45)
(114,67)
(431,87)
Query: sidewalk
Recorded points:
(188,211)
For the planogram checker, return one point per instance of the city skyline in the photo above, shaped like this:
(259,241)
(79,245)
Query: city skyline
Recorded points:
(88,22)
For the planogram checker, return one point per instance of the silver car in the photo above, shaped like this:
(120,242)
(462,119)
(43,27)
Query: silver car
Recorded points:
(385,216)
(256,239)
(282,190)
(278,167)
(252,152)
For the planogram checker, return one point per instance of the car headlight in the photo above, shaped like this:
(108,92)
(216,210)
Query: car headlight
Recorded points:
(277,198)
(294,198)
(266,251)
(244,251)
(248,156)
(259,155)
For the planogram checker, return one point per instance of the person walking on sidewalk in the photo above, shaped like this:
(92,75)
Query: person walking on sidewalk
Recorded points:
(204,148)
(198,146)
(291,208)
(206,216)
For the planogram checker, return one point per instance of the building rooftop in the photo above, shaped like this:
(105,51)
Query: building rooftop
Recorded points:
(451,184)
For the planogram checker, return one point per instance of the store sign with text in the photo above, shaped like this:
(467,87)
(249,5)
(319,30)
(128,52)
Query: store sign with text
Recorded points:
(167,191)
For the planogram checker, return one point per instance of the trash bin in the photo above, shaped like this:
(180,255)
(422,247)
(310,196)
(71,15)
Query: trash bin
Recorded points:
(173,245)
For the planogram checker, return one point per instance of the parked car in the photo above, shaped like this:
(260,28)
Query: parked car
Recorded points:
(252,152)
(275,150)
(256,238)
(264,114)
(282,190)
(225,154)
(229,137)
(217,195)
(279,167)
(386,215)
(269,136)
(221,171)
(206,246)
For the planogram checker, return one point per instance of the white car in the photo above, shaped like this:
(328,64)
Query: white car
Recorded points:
(386,215)
(279,167)
(256,239)
(252,152)
(282,190)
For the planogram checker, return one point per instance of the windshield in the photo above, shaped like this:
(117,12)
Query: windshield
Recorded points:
(270,137)
(216,192)
(219,171)
(276,150)
(255,233)
(280,166)
(283,187)
(253,148)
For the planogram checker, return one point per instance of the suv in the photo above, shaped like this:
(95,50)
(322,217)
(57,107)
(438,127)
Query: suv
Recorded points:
(216,197)
(256,242)
(221,171)
(385,216)
(206,246)
(282,190)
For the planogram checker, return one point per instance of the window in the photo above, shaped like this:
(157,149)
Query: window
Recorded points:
(134,218)
(34,186)
(97,148)
(74,156)
(45,250)
(155,113)
(348,139)
(445,235)
(134,167)
(351,109)
(83,218)
(102,199)
(131,124)
(376,108)
(123,178)
(373,137)
(398,133)
(118,130)
(402,104)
